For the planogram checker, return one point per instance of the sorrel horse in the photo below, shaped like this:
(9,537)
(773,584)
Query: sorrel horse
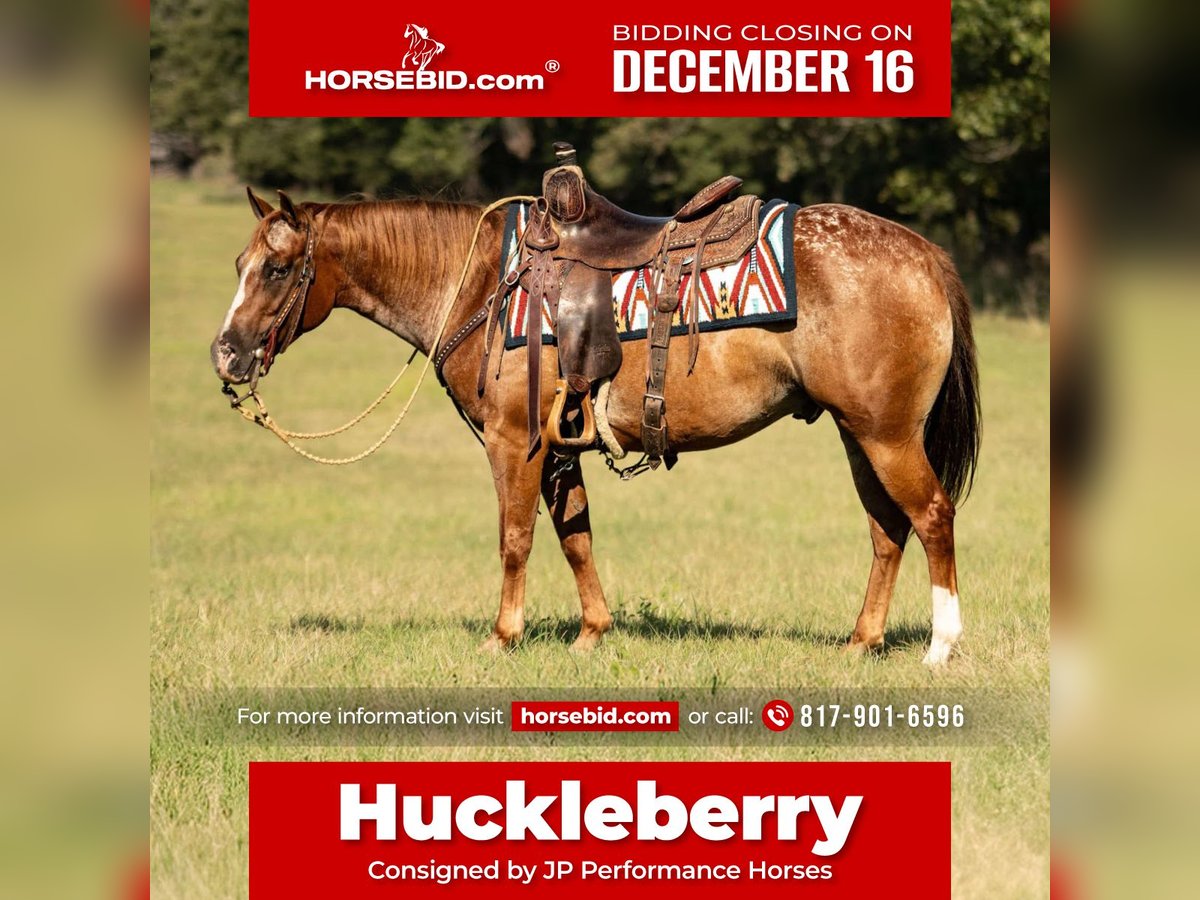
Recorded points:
(882,341)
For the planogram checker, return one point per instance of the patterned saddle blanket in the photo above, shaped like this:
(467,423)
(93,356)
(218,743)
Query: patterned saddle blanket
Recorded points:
(757,289)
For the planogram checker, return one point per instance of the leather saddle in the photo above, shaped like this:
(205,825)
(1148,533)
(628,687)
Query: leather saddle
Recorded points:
(598,233)
(573,242)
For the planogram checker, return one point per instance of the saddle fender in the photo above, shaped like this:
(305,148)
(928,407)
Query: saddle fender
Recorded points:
(588,346)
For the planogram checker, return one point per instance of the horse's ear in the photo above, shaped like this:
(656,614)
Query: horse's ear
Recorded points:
(289,210)
(260,206)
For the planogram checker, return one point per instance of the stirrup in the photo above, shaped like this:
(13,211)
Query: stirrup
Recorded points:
(587,436)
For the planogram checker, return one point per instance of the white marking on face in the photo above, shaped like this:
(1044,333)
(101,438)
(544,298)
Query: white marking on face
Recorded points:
(947,626)
(240,297)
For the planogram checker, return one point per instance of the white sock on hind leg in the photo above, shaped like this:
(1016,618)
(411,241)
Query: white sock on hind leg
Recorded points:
(947,626)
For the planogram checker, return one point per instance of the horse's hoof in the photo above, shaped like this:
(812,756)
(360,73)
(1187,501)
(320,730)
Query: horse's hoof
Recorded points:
(858,647)
(939,654)
(585,643)
(495,645)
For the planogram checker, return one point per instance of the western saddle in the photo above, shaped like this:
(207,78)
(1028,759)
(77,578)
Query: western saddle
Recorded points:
(572,243)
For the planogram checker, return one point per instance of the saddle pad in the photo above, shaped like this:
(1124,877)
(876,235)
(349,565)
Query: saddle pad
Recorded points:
(756,289)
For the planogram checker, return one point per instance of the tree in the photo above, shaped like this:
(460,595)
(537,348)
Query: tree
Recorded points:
(199,70)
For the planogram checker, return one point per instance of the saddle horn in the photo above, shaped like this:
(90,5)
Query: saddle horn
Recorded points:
(564,153)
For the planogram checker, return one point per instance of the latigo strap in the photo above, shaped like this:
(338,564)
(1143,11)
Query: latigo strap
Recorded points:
(544,287)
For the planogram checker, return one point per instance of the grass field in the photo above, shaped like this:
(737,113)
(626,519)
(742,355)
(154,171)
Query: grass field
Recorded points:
(269,571)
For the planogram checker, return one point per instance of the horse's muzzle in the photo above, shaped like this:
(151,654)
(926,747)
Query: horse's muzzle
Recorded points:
(231,366)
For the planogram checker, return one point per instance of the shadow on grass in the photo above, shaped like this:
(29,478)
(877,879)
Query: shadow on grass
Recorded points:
(907,636)
(645,622)
(654,624)
(564,629)
(326,623)
(898,638)
(649,623)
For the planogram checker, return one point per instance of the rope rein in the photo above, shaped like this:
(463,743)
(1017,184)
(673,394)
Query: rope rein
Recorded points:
(259,415)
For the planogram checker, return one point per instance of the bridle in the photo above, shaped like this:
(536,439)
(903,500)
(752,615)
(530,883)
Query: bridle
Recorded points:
(271,345)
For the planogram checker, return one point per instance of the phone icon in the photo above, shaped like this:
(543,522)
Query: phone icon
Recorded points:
(778,715)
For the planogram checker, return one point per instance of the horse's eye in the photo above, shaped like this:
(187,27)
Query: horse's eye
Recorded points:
(276,271)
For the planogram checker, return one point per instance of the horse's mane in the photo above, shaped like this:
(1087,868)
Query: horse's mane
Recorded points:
(411,234)
(366,214)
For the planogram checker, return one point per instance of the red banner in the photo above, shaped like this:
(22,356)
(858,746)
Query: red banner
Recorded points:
(518,829)
(702,58)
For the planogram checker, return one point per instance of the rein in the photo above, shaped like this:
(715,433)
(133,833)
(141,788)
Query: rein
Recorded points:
(258,413)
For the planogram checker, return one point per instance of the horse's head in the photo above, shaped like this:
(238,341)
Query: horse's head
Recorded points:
(286,286)
(410,30)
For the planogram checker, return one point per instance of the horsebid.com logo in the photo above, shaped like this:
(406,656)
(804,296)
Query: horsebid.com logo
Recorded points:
(421,47)
(422,50)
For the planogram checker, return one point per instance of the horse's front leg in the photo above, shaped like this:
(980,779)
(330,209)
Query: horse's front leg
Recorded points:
(517,481)
(567,501)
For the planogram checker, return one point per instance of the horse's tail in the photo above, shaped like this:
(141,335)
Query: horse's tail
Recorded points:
(952,430)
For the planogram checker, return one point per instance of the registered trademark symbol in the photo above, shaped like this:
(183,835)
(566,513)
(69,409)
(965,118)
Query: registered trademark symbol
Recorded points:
(552,65)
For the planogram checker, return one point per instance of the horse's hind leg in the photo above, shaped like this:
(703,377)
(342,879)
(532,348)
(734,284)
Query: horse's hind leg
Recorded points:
(566,499)
(904,471)
(889,531)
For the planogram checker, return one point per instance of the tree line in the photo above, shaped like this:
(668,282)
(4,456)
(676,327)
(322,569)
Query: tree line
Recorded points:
(977,182)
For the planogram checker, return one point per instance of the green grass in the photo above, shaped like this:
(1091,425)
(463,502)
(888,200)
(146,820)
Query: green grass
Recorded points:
(743,567)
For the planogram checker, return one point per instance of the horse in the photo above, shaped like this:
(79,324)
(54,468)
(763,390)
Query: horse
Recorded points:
(882,342)
(421,48)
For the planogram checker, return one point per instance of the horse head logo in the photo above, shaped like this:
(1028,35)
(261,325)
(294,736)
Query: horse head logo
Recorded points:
(421,47)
